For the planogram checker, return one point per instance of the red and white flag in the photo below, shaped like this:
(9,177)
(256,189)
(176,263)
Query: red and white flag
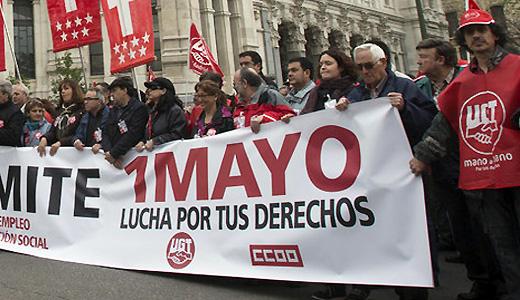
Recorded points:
(74,23)
(130,30)
(151,75)
(473,5)
(200,58)
(2,39)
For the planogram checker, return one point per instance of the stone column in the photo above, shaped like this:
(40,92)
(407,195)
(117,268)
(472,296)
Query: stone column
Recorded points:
(225,42)
(207,28)
(175,18)
(42,49)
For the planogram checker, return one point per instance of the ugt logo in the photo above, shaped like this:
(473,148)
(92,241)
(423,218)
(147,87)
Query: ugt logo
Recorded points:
(481,120)
(180,251)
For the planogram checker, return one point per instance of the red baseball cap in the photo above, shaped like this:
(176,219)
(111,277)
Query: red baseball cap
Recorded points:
(475,16)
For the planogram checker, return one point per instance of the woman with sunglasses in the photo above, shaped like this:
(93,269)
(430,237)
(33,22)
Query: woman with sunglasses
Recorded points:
(167,121)
(36,125)
(70,110)
(216,116)
(337,74)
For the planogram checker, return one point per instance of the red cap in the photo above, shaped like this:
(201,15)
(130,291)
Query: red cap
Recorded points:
(475,16)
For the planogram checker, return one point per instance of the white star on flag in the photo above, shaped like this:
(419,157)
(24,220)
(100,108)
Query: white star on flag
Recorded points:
(69,23)
(124,44)
(146,38)
(121,59)
(75,34)
(135,42)
(78,21)
(88,18)
(142,51)
(132,54)
(85,31)
(58,26)
(116,48)
(63,37)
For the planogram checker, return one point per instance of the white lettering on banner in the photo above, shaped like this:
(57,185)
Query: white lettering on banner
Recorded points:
(125,18)
(70,5)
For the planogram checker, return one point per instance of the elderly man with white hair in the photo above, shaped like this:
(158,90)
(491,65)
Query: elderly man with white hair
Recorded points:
(20,95)
(416,111)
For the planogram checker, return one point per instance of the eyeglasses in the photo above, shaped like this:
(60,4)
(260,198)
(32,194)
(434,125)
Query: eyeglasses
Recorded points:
(90,98)
(367,66)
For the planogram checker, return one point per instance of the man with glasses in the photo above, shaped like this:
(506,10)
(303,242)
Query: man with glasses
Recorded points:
(258,103)
(251,59)
(415,108)
(416,112)
(89,131)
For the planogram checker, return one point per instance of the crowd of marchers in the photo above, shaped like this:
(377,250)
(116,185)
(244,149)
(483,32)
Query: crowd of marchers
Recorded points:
(478,214)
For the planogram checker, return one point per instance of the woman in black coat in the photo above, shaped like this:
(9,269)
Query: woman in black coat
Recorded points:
(216,116)
(167,121)
(70,110)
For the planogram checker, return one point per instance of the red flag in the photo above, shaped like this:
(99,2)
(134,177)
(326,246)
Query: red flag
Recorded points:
(473,5)
(151,75)
(130,29)
(74,23)
(200,58)
(2,40)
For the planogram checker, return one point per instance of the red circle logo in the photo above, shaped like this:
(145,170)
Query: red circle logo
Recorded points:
(180,251)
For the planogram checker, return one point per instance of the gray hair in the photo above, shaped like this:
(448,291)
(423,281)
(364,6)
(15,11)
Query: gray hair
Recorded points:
(99,93)
(24,89)
(6,87)
(375,50)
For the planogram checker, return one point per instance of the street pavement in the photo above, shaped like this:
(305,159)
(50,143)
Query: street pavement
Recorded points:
(26,277)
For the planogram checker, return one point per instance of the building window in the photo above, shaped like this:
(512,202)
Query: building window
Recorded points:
(157,64)
(96,59)
(24,37)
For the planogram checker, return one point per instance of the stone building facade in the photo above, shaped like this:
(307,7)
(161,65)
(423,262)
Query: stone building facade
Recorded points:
(277,29)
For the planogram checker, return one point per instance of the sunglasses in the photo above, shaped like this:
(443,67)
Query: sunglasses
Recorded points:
(367,66)
(155,87)
(90,98)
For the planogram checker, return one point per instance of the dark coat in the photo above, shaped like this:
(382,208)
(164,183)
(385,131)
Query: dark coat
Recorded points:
(124,127)
(64,126)
(222,121)
(418,110)
(11,124)
(166,125)
(88,126)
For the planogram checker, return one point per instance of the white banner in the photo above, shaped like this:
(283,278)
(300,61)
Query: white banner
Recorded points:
(326,198)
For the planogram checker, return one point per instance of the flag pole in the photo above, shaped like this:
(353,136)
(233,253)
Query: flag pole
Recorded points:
(134,76)
(83,67)
(17,75)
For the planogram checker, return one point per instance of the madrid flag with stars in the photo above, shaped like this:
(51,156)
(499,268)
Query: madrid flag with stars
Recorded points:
(130,30)
(74,23)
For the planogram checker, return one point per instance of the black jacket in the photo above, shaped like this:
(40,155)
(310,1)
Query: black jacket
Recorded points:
(166,125)
(124,127)
(64,126)
(11,124)
(222,121)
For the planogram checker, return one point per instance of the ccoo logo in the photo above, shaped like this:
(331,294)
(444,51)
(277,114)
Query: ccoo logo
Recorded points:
(480,121)
(180,251)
